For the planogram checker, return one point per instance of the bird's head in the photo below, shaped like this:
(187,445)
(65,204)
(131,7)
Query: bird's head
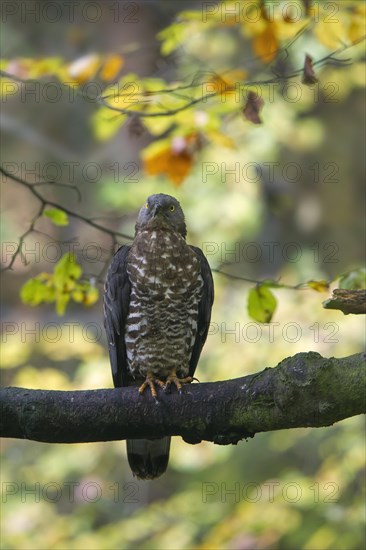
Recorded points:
(161,211)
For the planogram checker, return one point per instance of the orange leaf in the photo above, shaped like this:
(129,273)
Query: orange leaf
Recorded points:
(265,44)
(175,165)
(229,81)
(111,67)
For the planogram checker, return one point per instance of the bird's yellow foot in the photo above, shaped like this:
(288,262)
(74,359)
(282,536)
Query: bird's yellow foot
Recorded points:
(178,382)
(150,381)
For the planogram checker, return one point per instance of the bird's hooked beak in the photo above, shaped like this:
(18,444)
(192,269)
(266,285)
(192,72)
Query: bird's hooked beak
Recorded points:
(157,210)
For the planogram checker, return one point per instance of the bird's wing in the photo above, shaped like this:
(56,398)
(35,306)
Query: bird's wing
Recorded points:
(204,310)
(117,291)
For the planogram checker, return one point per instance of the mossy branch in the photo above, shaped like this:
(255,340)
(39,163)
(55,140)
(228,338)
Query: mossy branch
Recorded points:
(306,390)
(348,301)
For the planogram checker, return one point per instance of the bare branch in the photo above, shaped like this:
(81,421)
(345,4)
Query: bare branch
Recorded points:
(43,203)
(306,390)
(114,234)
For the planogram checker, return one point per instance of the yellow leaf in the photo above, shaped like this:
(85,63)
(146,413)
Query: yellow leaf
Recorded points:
(83,69)
(287,29)
(45,67)
(157,125)
(265,44)
(91,296)
(225,84)
(332,33)
(319,286)
(127,93)
(111,67)
(358,23)
(106,123)
(221,139)
(86,294)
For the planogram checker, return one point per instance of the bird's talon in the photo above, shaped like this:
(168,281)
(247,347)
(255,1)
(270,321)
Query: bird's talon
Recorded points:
(178,382)
(151,381)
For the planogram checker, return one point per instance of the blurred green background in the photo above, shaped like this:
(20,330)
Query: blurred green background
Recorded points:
(301,488)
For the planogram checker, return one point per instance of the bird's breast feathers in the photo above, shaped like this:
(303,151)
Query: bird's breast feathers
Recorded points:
(161,262)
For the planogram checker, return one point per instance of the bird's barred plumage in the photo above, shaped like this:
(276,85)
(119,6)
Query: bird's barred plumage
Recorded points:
(157,304)
(166,287)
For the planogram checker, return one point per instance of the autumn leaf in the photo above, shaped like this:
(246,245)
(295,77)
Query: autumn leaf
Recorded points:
(86,294)
(84,68)
(265,44)
(19,68)
(173,158)
(271,29)
(318,286)
(357,23)
(106,123)
(220,139)
(253,107)
(227,82)
(309,77)
(111,67)
(174,165)
(135,126)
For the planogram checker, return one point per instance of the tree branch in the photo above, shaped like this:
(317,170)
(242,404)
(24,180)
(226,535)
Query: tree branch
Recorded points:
(306,390)
(348,301)
(113,234)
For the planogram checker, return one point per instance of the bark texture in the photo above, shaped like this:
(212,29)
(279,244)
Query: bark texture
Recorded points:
(305,390)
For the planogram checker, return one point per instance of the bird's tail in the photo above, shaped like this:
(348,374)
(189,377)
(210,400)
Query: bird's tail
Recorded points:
(148,458)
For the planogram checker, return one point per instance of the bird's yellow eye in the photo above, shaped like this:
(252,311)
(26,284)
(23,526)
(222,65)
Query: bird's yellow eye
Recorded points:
(172,208)
(147,205)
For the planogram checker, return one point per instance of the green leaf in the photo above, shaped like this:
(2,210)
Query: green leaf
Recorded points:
(39,289)
(106,123)
(354,280)
(57,216)
(60,286)
(172,37)
(67,271)
(261,304)
(61,303)
(33,292)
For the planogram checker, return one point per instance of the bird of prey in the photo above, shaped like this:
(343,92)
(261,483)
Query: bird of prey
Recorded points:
(157,306)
